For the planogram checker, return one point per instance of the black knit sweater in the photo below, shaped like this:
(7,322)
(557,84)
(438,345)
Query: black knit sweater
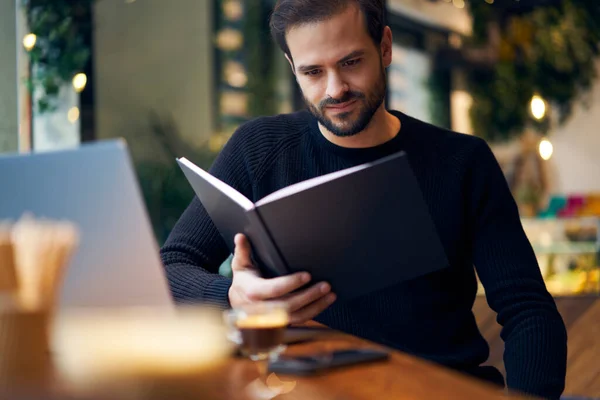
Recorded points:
(430,317)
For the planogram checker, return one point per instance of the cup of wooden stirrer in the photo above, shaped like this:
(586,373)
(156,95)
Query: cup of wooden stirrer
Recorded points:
(8,280)
(40,251)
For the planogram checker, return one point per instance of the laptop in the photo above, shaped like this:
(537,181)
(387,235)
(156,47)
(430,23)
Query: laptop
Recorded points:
(117,263)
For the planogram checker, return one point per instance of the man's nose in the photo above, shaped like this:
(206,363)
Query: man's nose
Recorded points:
(336,87)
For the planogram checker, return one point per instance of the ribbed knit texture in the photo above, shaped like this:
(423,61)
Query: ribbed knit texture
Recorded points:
(477,221)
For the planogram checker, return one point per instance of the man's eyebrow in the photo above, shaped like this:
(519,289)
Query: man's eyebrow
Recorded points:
(354,54)
(306,68)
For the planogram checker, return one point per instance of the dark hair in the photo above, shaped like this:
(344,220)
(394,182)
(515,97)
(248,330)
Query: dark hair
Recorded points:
(290,13)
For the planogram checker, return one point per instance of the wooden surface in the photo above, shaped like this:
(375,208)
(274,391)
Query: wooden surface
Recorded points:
(583,361)
(582,319)
(400,377)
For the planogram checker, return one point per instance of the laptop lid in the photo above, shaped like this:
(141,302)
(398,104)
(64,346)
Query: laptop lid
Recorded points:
(117,262)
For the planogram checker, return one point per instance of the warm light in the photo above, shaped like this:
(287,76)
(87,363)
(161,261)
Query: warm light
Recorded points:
(546,149)
(459,3)
(274,387)
(139,342)
(538,107)
(279,386)
(489,1)
(29,41)
(73,114)
(79,82)
(233,10)
(230,39)
(234,103)
(235,74)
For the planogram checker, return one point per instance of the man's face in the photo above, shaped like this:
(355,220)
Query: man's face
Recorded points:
(340,70)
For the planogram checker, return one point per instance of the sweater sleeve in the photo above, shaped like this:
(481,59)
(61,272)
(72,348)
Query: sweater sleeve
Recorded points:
(195,249)
(533,331)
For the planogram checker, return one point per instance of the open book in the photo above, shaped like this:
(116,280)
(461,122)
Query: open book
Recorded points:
(361,229)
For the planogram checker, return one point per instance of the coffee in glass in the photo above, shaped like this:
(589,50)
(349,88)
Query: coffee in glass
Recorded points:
(258,328)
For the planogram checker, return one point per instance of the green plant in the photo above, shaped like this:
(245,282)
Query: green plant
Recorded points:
(62,29)
(259,51)
(516,51)
(166,190)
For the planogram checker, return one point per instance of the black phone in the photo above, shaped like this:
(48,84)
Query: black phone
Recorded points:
(299,334)
(308,365)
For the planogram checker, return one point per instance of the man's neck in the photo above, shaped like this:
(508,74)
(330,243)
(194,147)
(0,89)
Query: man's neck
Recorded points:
(383,127)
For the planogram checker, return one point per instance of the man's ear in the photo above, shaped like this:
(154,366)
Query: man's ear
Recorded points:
(386,47)
(291,63)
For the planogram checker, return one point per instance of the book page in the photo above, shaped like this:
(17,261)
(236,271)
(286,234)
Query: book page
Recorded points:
(220,185)
(300,186)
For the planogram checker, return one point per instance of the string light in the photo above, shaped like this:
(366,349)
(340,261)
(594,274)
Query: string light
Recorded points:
(29,41)
(73,114)
(230,39)
(546,149)
(79,82)
(233,10)
(459,3)
(538,107)
(235,74)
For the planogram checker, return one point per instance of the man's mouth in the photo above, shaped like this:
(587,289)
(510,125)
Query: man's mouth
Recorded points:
(345,106)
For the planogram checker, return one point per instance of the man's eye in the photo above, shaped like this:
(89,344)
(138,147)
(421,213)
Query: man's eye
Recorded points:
(313,72)
(351,63)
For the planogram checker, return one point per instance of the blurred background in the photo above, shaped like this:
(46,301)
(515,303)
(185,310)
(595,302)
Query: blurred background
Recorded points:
(176,79)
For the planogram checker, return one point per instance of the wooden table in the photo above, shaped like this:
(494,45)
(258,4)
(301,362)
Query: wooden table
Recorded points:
(400,377)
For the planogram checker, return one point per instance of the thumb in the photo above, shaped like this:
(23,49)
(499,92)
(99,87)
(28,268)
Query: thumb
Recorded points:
(242,254)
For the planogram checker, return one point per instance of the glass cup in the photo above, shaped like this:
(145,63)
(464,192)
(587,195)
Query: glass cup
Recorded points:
(258,330)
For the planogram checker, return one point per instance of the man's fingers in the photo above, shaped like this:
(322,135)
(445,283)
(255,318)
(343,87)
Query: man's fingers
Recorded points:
(312,310)
(265,289)
(248,281)
(301,299)
(242,255)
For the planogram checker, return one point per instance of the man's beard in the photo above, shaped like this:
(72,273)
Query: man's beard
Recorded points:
(370,104)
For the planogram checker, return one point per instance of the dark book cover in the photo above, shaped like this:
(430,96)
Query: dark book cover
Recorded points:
(360,229)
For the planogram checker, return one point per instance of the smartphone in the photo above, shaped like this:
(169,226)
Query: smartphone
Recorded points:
(299,334)
(308,365)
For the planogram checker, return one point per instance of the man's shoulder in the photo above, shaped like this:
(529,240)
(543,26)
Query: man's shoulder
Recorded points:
(446,141)
(437,133)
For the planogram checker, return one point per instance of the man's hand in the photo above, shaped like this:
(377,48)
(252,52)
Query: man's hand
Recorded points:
(248,287)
